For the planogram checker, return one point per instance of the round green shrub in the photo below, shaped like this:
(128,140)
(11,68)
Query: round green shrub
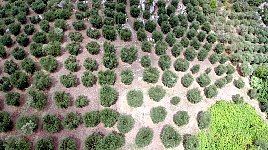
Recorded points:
(203,80)
(36,99)
(49,63)
(61,99)
(17,143)
(145,61)
(12,98)
(71,63)
(14,28)
(88,79)
(246,69)
(18,53)
(181,65)
(3,52)
(211,38)
(127,76)
(176,49)
(214,58)
(194,95)
(44,143)
(108,96)
(239,83)
(164,62)
(5,84)
(181,118)
(230,69)
(237,99)
(202,54)
(219,48)
(93,140)
(125,123)
(175,100)
(106,77)
(135,98)
(111,141)
(19,80)
(141,35)
(144,137)
(252,93)
(157,36)
(211,91)
(36,49)
(195,69)
(146,46)
(169,78)
(203,119)
(93,47)
(170,138)
(67,143)
(6,40)
(229,78)
(73,48)
(51,123)
(157,93)
(129,55)
(68,80)
(75,36)
(52,48)
(27,124)
(29,29)
(93,33)
(161,48)
(90,64)
(81,101)
(220,83)
(150,26)
(150,75)
(170,39)
(158,114)
(5,122)
(28,65)
(41,80)
(190,142)
(190,54)
(79,25)
(71,120)
(22,40)
(44,24)
(10,67)
(187,80)
(40,37)
(91,119)
(220,70)
(109,117)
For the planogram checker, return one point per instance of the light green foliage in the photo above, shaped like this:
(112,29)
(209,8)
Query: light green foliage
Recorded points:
(236,126)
